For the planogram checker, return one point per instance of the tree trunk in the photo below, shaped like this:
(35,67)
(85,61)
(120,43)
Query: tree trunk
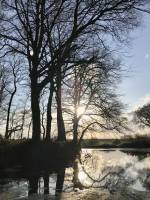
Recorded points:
(75,129)
(7,135)
(35,107)
(75,117)
(23,122)
(29,127)
(2,86)
(60,121)
(49,114)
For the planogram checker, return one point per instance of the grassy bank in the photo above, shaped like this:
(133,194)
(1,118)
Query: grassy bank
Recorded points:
(138,142)
(44,154)
(25,153)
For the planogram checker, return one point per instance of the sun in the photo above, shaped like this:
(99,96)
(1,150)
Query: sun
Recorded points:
(82,176)
(80,110)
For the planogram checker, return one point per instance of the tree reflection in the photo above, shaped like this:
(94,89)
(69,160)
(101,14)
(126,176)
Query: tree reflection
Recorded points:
(76,180)
(92,170)
(85,174)
(60,181)
(33,185)
(46,183)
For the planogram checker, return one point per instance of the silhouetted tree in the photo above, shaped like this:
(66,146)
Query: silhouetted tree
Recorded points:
(26,21)
(53,36)
(12,91)
(142,115)
(49,112)
(91,101)
(2,84)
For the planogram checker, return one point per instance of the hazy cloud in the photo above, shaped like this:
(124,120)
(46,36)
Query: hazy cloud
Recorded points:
(142,101)
(147,56)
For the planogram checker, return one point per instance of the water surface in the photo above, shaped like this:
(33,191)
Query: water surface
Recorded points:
(95,174)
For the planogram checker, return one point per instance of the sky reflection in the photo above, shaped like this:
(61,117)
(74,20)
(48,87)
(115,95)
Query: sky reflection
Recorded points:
(113,171)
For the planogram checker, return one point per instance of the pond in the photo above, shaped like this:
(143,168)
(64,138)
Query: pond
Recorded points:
(95,174)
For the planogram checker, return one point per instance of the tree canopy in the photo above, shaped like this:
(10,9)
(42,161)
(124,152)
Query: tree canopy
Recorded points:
(142,115)
(55,39)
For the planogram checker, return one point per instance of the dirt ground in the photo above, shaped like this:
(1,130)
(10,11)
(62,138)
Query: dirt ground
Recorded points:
(98,194)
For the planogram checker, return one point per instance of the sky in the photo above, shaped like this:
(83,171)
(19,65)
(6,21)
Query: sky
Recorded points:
(135,86)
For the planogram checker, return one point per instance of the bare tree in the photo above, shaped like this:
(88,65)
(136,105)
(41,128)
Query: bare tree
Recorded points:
(92,102)
(142,115)
(26,21)
(15,69)
(76,24)
(53,36)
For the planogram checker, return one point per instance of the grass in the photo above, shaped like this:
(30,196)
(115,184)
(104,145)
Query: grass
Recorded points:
(130,142)
(25,153)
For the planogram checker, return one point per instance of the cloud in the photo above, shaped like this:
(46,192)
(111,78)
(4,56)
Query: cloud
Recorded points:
(141,102)
(147,56)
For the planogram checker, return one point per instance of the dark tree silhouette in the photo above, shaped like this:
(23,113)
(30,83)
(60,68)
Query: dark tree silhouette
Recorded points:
(49,112)
(15,79)
(54,36)
(142,115)
(2,84)
(92,89)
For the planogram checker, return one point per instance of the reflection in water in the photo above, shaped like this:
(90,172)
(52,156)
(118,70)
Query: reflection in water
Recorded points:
(37,185)
(46,183)
(93,168)
(60,182)
(33,185)
(112,170)
(78,176)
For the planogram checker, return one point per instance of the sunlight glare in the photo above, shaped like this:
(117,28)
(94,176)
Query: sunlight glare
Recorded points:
(82,176)
(80,110)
